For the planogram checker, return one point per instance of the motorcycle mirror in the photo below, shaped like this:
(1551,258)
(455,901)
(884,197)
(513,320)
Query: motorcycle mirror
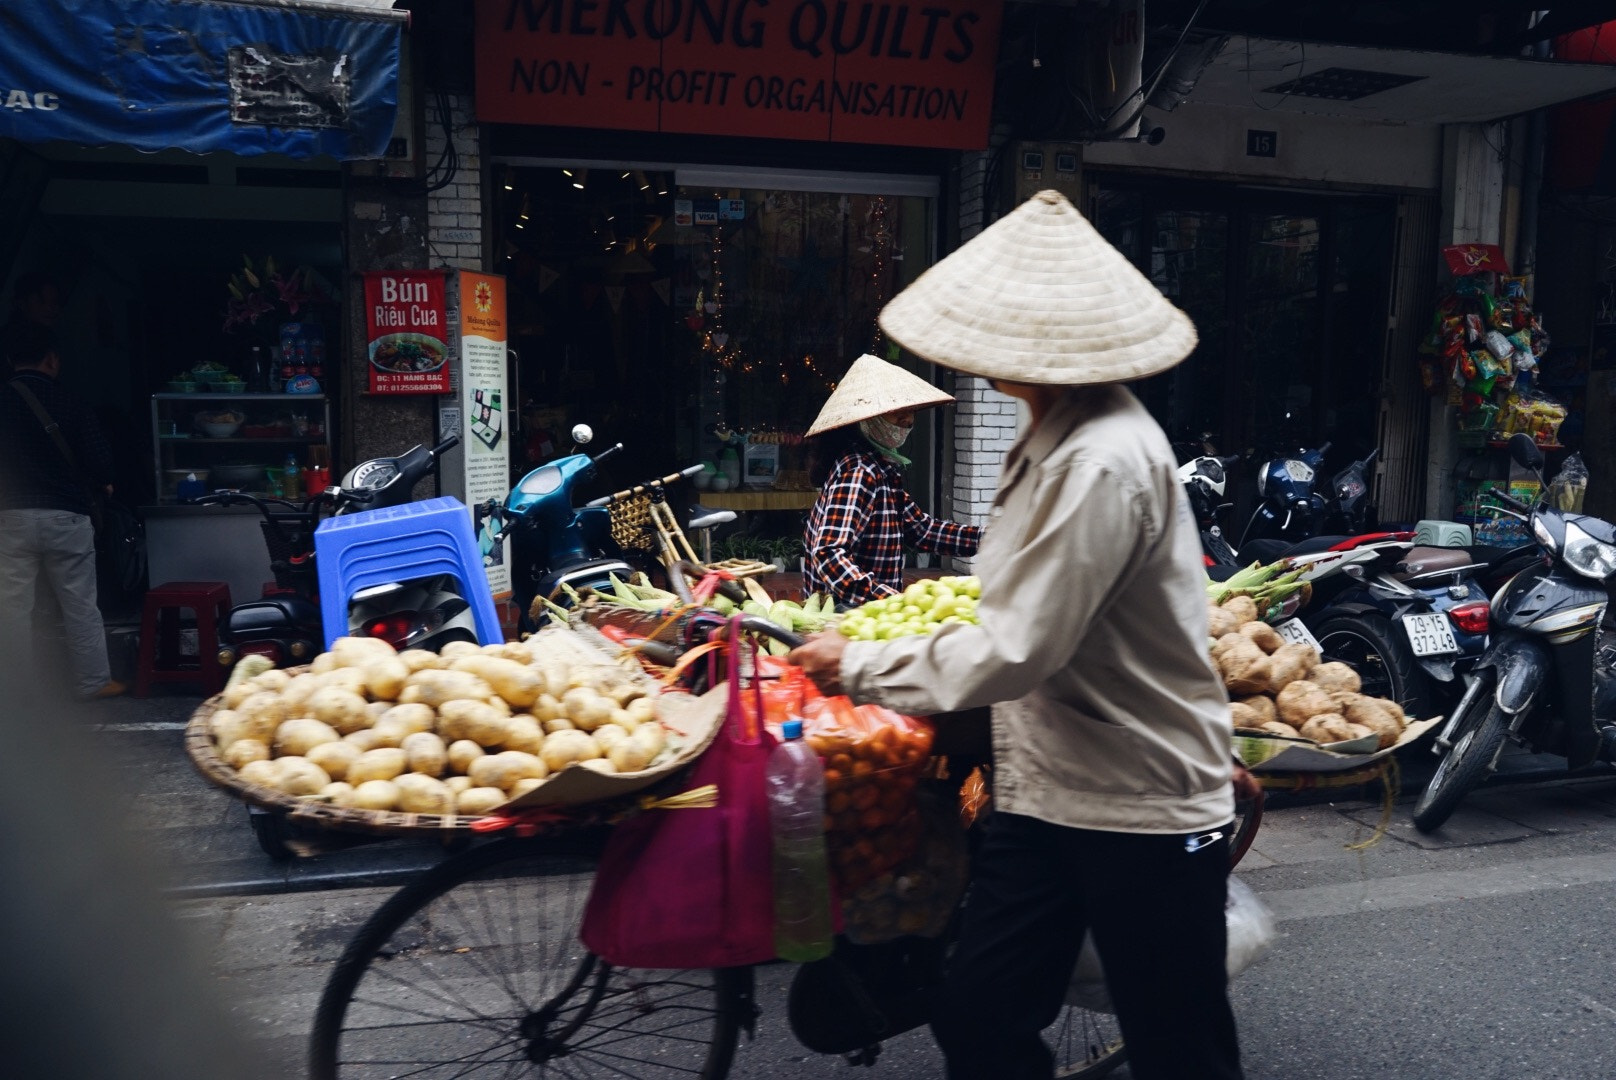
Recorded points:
(1524,451)
(583,434)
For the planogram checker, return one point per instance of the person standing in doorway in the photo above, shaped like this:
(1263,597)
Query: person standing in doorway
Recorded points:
(1113,786)
(54,463)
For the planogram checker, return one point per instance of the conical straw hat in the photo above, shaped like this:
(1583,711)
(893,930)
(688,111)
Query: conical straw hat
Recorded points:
(872,387)
(1040,297)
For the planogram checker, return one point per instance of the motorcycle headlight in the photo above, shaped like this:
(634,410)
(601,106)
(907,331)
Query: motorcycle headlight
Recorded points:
(1587,556)
(1541,533)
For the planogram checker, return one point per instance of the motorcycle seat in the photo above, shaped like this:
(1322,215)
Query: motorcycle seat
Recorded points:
(705,517)
(1434,560)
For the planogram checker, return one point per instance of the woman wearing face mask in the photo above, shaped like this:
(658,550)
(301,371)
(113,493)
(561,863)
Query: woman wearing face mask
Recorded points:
(863,517)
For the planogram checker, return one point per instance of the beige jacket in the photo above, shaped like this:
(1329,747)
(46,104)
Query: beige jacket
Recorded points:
(1092,648)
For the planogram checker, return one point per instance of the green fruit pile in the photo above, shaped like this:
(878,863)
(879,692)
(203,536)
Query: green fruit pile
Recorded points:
(919,609)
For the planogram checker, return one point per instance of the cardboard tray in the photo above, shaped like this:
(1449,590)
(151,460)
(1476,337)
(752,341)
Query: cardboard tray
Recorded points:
(1262,752)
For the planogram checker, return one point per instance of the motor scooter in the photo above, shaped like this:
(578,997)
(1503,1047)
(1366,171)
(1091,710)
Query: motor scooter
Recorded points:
(1548,677)
(1292,509)
(559,550)
(1206,478)
(285,624)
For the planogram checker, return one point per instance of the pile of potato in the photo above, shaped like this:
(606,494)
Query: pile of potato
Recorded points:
(462,731)
(1283,689)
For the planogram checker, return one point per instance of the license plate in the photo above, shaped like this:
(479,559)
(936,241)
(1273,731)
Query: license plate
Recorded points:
(1295,633)
(1430,635)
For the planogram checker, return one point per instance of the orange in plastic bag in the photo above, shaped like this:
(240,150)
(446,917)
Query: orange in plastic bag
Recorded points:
(873,758)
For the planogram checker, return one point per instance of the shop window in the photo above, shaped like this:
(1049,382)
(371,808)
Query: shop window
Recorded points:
(668,316)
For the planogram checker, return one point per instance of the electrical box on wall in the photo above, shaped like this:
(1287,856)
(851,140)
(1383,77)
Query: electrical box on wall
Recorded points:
(1038,166)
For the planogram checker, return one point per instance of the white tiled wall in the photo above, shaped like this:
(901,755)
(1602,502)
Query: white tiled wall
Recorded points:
(454,212)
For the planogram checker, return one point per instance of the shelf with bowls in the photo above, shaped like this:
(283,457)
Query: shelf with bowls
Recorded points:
(235,440)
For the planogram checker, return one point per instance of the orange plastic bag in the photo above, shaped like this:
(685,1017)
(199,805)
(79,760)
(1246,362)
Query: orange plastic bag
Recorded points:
(873,758)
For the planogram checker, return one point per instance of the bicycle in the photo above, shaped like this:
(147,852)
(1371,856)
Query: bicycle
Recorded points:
(475,968)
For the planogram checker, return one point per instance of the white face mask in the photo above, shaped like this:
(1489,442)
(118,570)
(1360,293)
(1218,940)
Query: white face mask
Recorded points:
(883,432)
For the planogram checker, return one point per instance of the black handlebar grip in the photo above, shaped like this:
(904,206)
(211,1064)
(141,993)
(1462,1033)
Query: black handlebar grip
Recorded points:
(446,445)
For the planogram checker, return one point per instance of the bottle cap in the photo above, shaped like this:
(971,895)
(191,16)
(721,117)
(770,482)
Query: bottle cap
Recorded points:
(791,729)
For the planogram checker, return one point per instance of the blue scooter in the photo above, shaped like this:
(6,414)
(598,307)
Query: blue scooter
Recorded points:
(556,547)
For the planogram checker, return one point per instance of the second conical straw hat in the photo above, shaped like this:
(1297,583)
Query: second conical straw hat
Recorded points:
(1040,297)
(872,387)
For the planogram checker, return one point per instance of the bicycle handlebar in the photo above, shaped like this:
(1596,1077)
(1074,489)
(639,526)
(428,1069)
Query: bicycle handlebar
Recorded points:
(640,489)
(446,445)
(1509,500)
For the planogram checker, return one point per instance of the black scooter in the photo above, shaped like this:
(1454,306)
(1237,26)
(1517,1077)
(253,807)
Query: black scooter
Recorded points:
(1548,677)
(285,625)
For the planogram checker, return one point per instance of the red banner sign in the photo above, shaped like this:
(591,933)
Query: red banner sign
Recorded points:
(898,72)
(406,324)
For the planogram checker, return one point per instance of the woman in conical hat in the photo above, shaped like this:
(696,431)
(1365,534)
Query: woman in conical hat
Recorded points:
(854,539)
(1111,729)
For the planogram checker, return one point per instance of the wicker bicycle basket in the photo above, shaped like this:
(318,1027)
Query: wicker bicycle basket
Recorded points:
(631,524)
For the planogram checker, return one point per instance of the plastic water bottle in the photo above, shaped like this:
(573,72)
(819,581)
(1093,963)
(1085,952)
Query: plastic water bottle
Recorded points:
(291,477)
(796,785)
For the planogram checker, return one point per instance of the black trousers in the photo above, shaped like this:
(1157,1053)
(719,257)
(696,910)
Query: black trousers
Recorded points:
(1156,910)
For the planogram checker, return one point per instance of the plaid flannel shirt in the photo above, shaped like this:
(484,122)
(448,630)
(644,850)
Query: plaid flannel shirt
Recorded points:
(857,528)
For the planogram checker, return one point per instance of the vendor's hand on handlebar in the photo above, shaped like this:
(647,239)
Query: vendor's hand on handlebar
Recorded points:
(1246,787)
(821,660)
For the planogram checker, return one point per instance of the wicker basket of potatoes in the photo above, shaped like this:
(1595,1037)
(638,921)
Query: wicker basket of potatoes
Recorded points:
(1282,689)
(373,740)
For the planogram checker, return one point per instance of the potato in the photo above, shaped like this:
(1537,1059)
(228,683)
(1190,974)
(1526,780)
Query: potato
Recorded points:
(299,776)
(376,795)
(300,689)
(1371,713)
(422,794)
(275,680)
(351,679)
(560,723)
(382,763)
(341,709)
(1262,635)
(518,684)
(334,757)
(297,737)
(420,659)
(338,793)
(1327,728)
(1243,608)
(235,693)
(1335,676)
(630,756)
(391,732)
(1220,622)
(499,705)
(653,737)
(622,692)
(478,721)
(600,765)
(510,650)
(462,752)
(367,739)
(1263,705)
(355,650)
(640,711)
(504,769)
(1360,732)
(546,708)
(425,752)
(477,801)
(413,717)
(562,748)
(325,663)
(1244,716)
(432,687)
(455,649)
(457,784)
(522,787)
(385,677)
(1278,727)
(227,726)
(262,712)
(261,773)
(523,733)
(242,751)
(377,709)
(1290,663)
(1301,700)
(586,708)
(1244,666)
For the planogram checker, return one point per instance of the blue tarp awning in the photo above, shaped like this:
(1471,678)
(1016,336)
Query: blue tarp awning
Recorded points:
(304,79)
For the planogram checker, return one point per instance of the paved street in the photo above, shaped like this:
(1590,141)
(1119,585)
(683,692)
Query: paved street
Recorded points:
(1485,952)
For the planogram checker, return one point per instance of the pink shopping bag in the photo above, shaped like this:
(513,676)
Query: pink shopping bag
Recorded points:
(693,887)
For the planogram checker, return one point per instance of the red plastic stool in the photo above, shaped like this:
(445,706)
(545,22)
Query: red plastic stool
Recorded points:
(160,658)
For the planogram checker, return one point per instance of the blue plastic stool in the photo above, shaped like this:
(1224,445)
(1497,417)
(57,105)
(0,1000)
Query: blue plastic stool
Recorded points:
(401,543)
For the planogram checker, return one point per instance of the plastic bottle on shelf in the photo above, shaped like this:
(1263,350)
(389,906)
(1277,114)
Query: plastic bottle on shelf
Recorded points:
(291,477)
(796,787)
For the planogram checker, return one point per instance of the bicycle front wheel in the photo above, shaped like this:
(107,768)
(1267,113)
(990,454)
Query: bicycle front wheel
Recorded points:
(475,970)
